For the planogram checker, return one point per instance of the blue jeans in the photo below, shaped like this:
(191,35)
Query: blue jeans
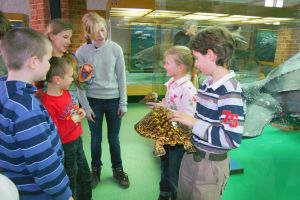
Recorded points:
(170,164)
(109,108)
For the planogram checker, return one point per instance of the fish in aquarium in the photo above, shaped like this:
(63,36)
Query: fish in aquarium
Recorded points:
(274,99)
(148,57)
(142,37)
(141,47)
(147,35)
(138,32)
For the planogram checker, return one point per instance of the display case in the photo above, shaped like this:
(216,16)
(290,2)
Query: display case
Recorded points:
(18,19)
(269,35)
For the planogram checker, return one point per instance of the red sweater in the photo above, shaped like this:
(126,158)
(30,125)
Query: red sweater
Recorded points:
(60,109)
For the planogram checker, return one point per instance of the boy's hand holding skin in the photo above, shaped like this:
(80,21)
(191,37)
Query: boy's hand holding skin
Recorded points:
(183,118)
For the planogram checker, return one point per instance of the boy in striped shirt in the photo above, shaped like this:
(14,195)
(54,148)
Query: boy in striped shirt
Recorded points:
(218,122)
(31,154)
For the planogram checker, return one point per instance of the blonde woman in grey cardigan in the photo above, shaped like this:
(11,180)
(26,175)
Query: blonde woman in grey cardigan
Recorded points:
(105,96)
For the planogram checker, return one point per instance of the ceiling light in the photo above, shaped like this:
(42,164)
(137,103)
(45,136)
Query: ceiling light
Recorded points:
(279,19)
(198,17)
(245,16)
(210,14)
(274,3)
(169,12)
(229,19)
(166,14)
(128,12)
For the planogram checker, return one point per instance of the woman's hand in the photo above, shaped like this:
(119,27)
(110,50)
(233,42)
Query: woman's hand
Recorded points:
(90,115)
(120,112)
(183,118)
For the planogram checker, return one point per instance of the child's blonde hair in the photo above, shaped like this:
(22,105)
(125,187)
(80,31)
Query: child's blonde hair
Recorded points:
(91,22)
(183,55)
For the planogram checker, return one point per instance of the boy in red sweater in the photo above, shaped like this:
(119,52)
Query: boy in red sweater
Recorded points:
(67,117)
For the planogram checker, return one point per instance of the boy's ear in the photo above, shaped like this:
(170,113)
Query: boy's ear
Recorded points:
(56,79)
(32,62)
(212,56)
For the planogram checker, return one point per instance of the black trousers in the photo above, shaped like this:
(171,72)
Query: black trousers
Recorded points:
(78,170)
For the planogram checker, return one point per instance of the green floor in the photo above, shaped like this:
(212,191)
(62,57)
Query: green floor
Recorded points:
(271,165)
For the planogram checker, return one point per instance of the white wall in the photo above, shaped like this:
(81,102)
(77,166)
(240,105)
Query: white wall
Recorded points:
(15,6)
(96,4)
(22,6)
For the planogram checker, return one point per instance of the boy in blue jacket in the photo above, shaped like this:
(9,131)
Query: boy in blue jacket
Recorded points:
(31,154)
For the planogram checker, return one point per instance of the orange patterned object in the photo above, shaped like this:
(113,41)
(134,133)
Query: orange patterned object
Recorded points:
(86,72)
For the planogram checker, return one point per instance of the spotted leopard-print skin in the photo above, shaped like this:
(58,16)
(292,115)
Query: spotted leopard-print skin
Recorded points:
(156,126)
(151,97)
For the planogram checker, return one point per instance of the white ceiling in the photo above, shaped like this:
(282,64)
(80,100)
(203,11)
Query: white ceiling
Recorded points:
(286,3)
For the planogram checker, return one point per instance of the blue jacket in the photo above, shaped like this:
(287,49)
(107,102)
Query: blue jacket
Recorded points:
(31,153)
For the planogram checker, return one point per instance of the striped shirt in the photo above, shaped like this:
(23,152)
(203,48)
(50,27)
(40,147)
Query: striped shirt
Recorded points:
(31,154)
(221,113)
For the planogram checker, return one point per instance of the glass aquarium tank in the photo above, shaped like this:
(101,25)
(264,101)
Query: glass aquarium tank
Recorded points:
(268,35)
(266,61)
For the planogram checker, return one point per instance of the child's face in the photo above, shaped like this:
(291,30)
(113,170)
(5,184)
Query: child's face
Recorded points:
(67,79)
(61,41)
(203,62)
(99,36)
(171,67)
(44,65)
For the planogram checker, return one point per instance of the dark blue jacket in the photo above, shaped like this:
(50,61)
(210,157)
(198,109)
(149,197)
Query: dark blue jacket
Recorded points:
(31,153)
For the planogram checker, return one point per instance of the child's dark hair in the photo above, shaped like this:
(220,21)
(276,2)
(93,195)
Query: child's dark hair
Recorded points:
(58,66)
(4,25)
(217,39)
(22,43)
